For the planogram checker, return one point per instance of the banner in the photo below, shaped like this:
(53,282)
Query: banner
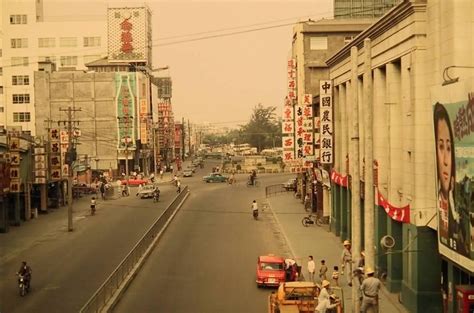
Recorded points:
(453,122)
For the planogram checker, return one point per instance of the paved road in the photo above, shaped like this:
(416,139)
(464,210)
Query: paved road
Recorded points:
(69,267)
(206,260)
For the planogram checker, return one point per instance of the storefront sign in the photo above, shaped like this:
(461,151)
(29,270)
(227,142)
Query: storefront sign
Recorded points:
(453,121)
(326,131)
(55,154)
(125,102)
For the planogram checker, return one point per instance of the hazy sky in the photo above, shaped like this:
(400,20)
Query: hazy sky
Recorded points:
(220,80)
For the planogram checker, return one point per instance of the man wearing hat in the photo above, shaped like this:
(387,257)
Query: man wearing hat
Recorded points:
(324,301)
(370,292)
(346,258)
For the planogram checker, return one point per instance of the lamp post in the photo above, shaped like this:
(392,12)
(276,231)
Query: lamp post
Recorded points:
(97,163)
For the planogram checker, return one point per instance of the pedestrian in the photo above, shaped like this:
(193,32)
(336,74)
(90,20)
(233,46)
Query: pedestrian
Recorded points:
(323,270)
(161,174)
(346,259)
(335,275)
(307,202)
(370,292)
(324,300)
(102,190)
(359,271)
(140,188)
(311,268)
(93,204)
(178,184)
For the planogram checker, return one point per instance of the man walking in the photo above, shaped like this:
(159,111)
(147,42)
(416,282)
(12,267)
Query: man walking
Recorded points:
(323,271)
(370,292)
(346,259)
(311,268)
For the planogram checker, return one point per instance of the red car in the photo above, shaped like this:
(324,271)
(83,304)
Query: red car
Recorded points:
(134,182)
(270,270)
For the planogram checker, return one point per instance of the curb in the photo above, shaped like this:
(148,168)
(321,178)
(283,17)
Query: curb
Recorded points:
(128,280)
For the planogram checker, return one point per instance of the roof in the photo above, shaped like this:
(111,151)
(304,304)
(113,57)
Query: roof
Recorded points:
(105,62)
(271,258)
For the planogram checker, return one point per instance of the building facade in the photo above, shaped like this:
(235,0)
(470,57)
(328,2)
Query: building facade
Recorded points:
(388,83)
(26,39)
(357,9)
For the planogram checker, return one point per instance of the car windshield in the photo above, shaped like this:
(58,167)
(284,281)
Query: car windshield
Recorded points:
(148,187)
(271,266)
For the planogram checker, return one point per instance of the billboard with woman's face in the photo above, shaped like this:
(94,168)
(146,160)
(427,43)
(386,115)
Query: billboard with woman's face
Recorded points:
(453,121)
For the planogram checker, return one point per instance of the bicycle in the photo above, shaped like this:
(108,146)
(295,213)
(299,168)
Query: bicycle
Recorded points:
(312,219)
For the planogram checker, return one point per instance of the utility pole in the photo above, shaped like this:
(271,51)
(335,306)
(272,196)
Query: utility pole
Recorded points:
(369,158)
(69,159)
(355,192)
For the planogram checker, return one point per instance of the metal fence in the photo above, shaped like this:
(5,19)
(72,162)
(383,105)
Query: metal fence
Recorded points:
(107,290)
(274,190)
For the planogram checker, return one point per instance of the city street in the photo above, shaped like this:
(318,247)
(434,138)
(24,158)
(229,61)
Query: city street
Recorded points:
(206,260)
(69,267)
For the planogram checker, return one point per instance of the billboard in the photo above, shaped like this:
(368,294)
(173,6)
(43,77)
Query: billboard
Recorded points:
(453,122)
(129,34)
(125,102)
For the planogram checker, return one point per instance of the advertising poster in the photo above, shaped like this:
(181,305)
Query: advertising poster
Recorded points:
(453,121)
(125,102)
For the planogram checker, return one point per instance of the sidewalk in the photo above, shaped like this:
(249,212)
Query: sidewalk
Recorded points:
(321,244)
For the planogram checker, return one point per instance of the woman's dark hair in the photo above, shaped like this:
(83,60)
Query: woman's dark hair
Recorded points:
(440,113)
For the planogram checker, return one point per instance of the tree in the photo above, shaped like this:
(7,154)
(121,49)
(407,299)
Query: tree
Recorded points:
(263,130)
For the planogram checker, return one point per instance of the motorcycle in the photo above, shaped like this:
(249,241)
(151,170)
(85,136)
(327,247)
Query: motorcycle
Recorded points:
(23,285)
(255,214)
(156,196)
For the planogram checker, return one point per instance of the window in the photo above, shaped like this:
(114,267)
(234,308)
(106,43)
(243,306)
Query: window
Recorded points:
(68,60)
(18,19)
(348,39)
(19,61)
(68,42)
(19,42)
(1,90)
(47,42)
(21,117)
(2,109)
(318,43)
(91,41)
(18,80)
(21,98)
(1,71)
(47,59)
(91,58)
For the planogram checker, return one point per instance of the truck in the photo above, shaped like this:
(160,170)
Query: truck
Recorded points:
(301,297)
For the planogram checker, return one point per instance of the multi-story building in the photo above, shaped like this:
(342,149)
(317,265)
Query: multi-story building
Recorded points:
(27,38)
(356,9)
(165,129)
(403,102)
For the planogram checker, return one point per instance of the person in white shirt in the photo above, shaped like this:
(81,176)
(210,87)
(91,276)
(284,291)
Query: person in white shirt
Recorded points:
(178,184)
(324,300)
(311,268)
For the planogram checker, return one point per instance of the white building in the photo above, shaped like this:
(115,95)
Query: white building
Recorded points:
(26,38)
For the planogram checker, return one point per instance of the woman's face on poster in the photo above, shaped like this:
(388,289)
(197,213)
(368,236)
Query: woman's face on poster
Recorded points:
(443,152)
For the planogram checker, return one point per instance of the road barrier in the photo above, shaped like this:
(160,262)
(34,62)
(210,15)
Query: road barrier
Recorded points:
(274,190)
(100,299)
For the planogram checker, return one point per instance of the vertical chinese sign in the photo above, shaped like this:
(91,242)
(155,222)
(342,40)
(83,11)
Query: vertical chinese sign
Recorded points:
(143,93)
(326,122)
(287,125)
(308,137)
(55,154)
(14,148)
(40,163)
(125,103)
(64,141)
(453,123)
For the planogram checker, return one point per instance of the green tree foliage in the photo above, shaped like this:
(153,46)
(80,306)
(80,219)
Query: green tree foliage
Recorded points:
(264,129)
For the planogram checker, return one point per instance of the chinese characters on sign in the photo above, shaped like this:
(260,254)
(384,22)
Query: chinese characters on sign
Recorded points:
(308,140)
(55,154)
(291,69)
(14,147)
(326,122)
(287,125)
(40,164)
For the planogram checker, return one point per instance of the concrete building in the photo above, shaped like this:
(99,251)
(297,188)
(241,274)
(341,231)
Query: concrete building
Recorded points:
(27,38)
(357,9)
(394,73)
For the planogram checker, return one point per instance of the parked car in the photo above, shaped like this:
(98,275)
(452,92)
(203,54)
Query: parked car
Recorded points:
(270,270)
(147,191)
(188,172)
(290,184)
(215,178)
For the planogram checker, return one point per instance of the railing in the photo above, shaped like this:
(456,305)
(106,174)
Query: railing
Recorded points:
(107,290)
(274,189)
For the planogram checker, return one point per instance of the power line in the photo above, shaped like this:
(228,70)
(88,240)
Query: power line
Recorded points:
(203,37)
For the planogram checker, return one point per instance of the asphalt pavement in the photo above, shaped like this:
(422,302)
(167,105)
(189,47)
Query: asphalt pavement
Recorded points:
(69,266)
(322,244)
